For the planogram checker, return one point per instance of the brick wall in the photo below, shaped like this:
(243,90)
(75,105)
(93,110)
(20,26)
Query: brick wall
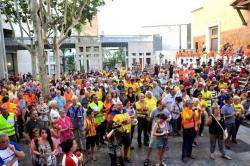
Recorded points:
(238,37)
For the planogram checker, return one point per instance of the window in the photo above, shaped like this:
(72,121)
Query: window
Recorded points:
(81,49)
(214,31)
(88,49)
(96,48)
(213,37)
(148,61)
(196,46)
(140,54)
(134,54)
(96,55)
(134,60)
(148,53)
(140,60)
(88,55)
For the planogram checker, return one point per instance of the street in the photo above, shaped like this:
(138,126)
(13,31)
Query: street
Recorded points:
(240,153)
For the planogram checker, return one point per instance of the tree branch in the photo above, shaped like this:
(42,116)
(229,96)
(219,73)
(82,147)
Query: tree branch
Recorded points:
(81,10)
(65,16)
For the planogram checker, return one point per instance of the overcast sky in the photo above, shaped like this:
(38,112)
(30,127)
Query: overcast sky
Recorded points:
(126,17)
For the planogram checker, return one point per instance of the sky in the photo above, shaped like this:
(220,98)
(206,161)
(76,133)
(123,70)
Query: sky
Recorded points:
(126,17)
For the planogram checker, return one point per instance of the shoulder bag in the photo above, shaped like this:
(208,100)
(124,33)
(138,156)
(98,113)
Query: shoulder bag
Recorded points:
(225,133)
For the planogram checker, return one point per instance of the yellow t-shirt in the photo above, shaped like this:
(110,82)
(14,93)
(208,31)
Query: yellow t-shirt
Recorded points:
(139,107)
(118,118)
(201,103)
(223,85)
(150,104)
(79,82)
(123,72)
(238,109)
(126,85)
(99,94)
(135,86)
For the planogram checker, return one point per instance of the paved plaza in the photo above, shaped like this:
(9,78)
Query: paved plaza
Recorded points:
(240,153)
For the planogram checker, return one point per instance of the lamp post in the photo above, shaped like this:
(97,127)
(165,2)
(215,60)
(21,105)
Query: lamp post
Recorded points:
(3,62)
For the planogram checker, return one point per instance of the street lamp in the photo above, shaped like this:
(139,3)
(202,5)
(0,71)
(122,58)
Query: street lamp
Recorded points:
(3,62)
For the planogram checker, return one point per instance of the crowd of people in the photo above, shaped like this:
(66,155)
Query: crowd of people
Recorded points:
(107,109)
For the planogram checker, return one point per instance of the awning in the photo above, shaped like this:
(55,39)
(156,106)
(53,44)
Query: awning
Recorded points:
(241,5)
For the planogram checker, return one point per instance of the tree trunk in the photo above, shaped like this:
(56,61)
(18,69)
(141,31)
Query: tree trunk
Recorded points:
(57,59)
(43,73)
(34,62)
(36,9)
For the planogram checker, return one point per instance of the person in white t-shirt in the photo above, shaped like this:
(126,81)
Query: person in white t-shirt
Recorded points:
(54,112)
(10,152)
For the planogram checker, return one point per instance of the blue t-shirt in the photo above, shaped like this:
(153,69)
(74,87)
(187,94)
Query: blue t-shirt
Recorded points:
(60,101)
(228,110)
(7,155)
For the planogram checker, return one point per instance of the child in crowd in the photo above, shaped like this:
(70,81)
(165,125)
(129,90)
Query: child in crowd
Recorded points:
(90,129)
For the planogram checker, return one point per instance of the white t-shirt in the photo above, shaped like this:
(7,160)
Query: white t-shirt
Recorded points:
(54,114)
(6,155)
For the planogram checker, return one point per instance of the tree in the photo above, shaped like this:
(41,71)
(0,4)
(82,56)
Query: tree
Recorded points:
(47,18)
(69,15)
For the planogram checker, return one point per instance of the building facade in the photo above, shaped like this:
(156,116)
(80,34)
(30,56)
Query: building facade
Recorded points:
(218,22)
(19,59)
(174,38)
(140,52)
(88,54)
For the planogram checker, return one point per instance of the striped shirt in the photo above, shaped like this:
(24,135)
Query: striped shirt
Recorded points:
(90,126)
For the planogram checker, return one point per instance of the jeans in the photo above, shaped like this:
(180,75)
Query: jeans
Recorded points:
(188,139)
(231,129)
(142,126)
(201,128)
(175,125)
(213,140)
(132,132)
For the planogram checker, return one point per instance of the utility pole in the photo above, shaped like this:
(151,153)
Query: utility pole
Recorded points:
(3,61)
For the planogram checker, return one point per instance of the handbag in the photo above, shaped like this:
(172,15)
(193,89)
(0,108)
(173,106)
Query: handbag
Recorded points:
(225,133)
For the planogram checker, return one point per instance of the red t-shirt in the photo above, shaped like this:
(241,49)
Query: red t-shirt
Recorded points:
(69,160)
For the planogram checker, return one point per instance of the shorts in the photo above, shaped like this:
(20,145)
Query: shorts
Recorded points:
(158,142)
(126,140)
(90,142)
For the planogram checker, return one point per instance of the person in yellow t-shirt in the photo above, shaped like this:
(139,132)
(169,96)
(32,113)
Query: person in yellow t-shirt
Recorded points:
(239,111)
(134,85)
(121,117)
(222,85)
(150,102)
(201,102)
(123,71)
(202,105)
(126,84)
(142,118)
